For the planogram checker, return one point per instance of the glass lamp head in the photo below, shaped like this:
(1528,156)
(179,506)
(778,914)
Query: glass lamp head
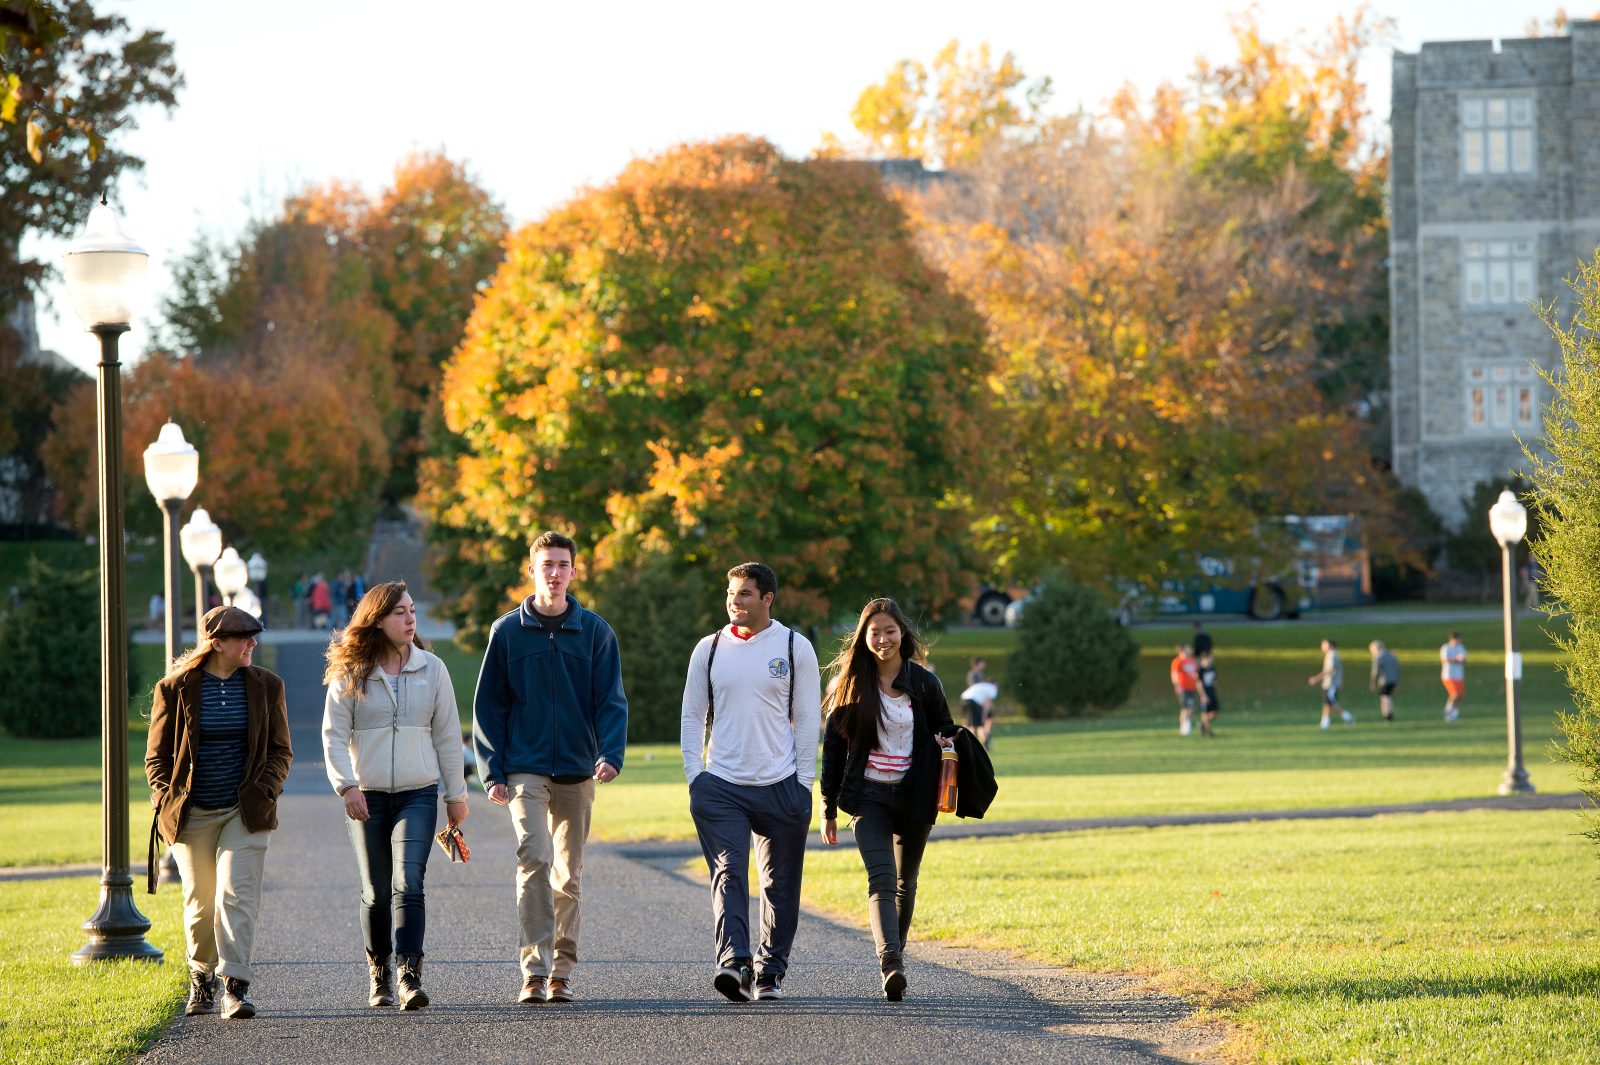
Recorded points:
(171,465)
(1508,519)
(230,572)
(105,271)
(257,566)
(201,539)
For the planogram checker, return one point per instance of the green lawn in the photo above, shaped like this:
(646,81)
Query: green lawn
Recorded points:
(53,1011)
(1449,938)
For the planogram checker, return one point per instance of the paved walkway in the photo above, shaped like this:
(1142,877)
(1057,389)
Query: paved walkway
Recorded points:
(644,983)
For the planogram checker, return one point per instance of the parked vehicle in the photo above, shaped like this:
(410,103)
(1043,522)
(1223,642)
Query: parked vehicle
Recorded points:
(1330,569)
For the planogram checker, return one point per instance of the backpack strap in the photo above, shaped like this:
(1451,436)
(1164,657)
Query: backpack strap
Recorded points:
(711,691)
(791,676)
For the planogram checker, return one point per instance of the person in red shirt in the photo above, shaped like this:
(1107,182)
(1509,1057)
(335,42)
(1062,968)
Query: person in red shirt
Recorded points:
(1185,674)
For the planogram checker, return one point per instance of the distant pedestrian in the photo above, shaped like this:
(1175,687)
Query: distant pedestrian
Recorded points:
(977,700)
(390,738)
(1202,640)
(217,756)
(978,673)
(1453,674)
(549,722)
(158,610)
(1532,575)
(1210,706)
(887,722)
(1330,678)
(302,593)
(321,603)
(1385,677)
(1184,672)
(752,710)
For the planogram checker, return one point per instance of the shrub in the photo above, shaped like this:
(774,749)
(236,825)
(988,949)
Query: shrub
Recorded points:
(1566,498)
(659,610)
(1073,656)
(52,642)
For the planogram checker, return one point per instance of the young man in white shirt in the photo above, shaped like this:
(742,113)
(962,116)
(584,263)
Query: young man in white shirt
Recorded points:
(758,683)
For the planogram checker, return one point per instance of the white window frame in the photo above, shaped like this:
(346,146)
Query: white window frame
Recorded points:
(1499,273)
(1498,134)
(1501,397)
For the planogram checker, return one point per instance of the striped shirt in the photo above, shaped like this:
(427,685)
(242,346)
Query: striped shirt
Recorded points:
(223,741)
(890,760)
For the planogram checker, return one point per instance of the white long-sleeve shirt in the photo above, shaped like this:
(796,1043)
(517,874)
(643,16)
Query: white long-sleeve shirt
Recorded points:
(752,740)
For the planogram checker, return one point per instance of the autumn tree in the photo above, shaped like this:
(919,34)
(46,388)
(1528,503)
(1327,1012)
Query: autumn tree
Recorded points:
(944,113)
(721,355)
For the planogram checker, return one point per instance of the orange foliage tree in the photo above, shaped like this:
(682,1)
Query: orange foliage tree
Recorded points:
(722,355)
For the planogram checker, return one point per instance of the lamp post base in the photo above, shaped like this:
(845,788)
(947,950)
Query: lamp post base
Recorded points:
(1516,782)
(117,928)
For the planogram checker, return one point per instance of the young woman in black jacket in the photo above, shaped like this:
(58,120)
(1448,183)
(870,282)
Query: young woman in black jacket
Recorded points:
(886,721)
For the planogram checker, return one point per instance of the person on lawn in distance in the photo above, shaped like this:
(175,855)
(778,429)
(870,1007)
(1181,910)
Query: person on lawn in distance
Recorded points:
(887,720)
(391,737)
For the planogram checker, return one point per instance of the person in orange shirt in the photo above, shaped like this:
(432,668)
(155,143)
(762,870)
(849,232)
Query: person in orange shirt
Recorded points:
(1185,674)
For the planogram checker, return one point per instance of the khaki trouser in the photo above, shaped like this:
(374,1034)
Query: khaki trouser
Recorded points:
(221,862)
(552,823)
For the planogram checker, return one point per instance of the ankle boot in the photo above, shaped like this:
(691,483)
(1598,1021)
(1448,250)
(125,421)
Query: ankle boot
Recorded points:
(202,993)
(235,999)
(382,993)
(412,997)
(894,977)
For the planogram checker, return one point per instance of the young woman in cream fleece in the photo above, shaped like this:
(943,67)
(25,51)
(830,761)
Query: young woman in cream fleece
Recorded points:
(391,737)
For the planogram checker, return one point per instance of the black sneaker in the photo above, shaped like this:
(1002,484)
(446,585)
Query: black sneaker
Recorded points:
(202,993)
(894,985)
(734,981)
(767,987)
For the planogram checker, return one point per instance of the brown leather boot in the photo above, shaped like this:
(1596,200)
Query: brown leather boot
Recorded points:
(412,997)
(382,993)
(235,999)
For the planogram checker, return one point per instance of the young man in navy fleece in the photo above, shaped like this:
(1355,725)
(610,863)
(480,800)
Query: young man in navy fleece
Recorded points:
(549,722)
(757,682)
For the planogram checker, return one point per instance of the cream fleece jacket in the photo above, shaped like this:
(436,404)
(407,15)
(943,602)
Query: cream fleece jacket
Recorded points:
(381,743)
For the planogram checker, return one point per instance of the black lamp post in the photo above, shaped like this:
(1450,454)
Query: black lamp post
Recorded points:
(171,469)
(104,272)
(1508,520)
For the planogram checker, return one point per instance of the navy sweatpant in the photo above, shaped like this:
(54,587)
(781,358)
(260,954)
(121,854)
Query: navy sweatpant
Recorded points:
(726,815)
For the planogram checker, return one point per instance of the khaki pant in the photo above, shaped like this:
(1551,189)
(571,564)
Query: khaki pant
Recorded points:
(221,862)
(552,823)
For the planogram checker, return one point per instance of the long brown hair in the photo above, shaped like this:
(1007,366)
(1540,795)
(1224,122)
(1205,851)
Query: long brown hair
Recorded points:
(194,656)
(356,651)
(853,693)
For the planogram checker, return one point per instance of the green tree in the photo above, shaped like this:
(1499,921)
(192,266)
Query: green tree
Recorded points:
(722,355)
(52,641)
(1072,655)
(70,80)
(1566,498)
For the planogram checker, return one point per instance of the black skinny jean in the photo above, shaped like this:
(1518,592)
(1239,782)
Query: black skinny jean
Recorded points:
(891,847)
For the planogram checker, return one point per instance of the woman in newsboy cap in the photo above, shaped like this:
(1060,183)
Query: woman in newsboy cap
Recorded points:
(216,761)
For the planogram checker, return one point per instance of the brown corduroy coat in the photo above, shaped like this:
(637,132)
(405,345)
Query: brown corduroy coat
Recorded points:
(174,735)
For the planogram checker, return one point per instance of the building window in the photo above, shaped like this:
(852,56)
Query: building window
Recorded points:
(1502,397)
(1497,134)
(1496,273)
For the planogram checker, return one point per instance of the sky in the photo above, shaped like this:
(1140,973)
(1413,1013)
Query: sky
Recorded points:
(542,99)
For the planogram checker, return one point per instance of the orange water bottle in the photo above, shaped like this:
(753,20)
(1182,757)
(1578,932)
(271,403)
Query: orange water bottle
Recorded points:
(947,781)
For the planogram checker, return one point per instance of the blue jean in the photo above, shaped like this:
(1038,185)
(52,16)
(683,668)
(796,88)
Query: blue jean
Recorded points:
(392,847)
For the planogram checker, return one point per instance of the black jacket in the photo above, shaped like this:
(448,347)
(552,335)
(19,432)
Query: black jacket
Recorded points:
(844,764)
(975,783)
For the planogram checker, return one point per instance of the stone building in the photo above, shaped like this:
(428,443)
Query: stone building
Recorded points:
(1495,189)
